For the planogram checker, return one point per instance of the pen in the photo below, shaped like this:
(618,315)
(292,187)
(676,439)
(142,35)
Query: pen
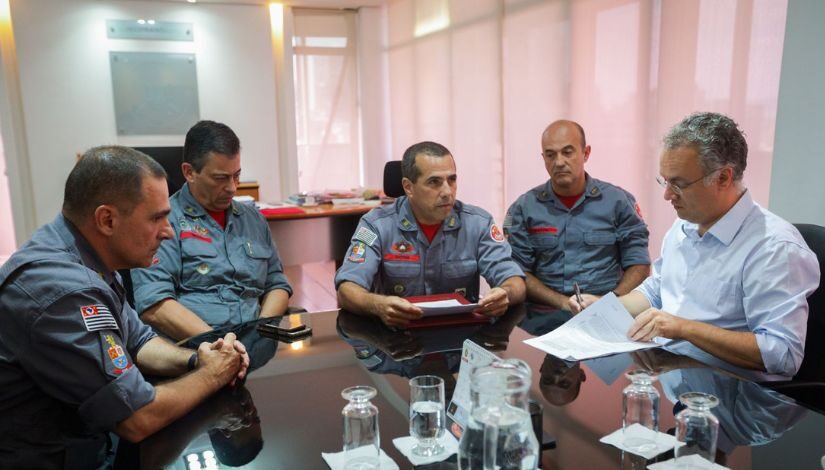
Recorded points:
(578,293)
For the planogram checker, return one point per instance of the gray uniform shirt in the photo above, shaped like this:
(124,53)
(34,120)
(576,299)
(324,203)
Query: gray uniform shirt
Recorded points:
(389,254)
(218,273)
(590,243)
(67,346)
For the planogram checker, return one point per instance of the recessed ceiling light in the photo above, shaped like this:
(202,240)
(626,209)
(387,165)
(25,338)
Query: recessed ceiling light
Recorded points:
(192,1)
(141,21)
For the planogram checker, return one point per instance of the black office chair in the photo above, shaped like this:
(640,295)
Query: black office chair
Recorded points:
(808,385)
(813,365)
(392,179)
(170,158)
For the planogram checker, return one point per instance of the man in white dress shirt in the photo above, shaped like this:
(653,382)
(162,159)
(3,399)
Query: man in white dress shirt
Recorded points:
(732,278)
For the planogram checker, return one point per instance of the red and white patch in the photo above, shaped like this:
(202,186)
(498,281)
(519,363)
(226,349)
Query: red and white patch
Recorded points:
(496,234)
(638,210)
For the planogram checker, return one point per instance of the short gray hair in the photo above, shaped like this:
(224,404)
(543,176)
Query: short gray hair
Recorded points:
(110,174)
(716,138)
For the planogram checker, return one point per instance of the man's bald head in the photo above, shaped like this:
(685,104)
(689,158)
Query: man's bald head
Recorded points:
(564,125)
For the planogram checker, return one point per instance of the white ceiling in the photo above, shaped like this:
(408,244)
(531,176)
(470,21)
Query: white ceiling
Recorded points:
(297,3)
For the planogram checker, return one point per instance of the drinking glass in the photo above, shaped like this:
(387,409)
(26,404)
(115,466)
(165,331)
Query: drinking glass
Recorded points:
(427,414)
(362,444)
(640,405)
(696,428)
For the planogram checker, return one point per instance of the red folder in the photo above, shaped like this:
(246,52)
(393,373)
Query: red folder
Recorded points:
(282,211)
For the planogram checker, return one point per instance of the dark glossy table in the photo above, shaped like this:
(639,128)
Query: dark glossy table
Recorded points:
(289,410)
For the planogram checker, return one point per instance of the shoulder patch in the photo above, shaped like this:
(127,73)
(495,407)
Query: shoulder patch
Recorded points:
(366,235)
(98,317)
(118,361)
(496,234)
(357,252)
(638,210)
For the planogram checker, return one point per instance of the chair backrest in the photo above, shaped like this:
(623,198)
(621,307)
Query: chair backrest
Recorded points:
(813,365)
(170,158)
(392,179)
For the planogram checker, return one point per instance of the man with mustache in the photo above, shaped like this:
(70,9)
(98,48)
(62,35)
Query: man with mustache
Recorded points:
(426,243)
(575,229)
(732,278)
(223,267)
(73,352)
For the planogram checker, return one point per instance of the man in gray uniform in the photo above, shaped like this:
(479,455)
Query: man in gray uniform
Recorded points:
(426,243)
(576,229)
(222,268)
(72,350)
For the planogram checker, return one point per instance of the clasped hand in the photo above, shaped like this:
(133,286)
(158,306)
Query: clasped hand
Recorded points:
(226,358)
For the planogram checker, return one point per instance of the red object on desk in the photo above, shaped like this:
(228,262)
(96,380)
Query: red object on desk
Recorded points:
(282,211)
(445,320)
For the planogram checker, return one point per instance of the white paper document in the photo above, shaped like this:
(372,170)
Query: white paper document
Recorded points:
(599,330)
(445,307)
(472,356)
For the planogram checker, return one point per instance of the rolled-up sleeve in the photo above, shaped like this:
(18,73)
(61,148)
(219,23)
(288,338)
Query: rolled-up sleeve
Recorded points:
(517,236)
(776,285)
(86,363)
(117,400)
(159,281)
(651,288)
(495,261)
(631,232)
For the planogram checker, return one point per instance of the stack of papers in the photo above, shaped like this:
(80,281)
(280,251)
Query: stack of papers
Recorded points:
(599,330)
(442,304)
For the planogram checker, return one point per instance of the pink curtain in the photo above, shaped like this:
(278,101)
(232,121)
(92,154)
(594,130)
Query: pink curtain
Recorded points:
(627,70)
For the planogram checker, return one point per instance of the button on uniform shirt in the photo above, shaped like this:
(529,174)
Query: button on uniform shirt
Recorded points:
(219,274)
(752,271)
(590,243)
(390,255)
(67,347)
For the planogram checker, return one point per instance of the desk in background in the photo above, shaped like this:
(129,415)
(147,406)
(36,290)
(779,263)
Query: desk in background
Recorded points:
(315,234)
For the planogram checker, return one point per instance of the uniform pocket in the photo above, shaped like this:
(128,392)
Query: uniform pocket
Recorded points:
(257,262)
(544,240)
(257,251)
(460,268)
(600,238)
(198,249)
(396,269)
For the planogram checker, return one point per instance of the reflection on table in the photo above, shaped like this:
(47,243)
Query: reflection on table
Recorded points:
(295,394)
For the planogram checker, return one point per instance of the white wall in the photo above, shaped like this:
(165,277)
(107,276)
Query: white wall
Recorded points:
(7,244)
(66,89)
(797,187)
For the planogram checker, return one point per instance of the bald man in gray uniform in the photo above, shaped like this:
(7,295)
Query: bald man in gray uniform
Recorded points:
(575,229)
(72,350)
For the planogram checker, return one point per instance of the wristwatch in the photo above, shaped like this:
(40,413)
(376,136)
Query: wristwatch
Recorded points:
(193,361)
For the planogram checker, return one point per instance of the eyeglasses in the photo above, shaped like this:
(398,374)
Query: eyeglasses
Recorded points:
(678,188)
